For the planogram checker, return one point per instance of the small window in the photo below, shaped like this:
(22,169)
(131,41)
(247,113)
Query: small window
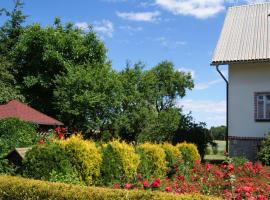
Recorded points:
(262,106)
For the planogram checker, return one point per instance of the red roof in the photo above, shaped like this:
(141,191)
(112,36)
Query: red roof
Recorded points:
(24,112)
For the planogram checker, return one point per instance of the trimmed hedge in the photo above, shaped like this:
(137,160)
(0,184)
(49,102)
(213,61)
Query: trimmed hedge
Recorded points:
(17,188)
(120,161)
(84,156)
(189,152)
(153,160)
(172,152)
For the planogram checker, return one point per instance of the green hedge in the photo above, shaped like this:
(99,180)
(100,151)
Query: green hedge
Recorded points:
(16,188)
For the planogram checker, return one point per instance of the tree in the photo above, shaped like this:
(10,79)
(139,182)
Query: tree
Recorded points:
(218,132)
(87,97)
(190,131)
(12,28)
(42,55)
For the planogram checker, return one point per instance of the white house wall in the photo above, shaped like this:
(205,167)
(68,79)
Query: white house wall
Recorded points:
(244,81)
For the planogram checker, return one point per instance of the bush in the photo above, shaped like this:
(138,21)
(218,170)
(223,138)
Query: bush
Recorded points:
(16,133)
(264,154)
(16,188)
(120,161)
(189,152)
(49,162)
(85,156)
(172,153)
(153,160)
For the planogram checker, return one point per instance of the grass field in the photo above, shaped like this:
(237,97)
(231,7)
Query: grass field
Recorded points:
(220,151)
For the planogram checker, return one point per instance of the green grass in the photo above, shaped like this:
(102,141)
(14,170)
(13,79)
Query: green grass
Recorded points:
(219,157)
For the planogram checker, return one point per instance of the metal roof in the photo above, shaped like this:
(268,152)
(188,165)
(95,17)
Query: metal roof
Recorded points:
(245,36)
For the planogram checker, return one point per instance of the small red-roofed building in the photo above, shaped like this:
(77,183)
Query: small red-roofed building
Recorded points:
(16,109)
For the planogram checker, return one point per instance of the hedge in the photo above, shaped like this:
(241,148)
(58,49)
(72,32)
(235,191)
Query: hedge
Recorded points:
(153,160)
(120,161)
(85,156)
(189,152)
(17,188)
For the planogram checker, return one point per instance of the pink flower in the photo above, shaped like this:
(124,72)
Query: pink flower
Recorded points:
(168,189)
(145,184)
(128,186)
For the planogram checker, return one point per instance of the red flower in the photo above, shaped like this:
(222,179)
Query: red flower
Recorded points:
(41,141)
(145,184)
(208,167)
(168,189)
(139,176)
(60,135)
(128,186)
(156,183)
(116,186)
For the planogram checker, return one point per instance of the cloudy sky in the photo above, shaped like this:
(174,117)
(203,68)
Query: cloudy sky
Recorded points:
(182,31)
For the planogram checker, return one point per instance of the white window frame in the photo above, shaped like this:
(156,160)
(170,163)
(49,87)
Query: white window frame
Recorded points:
(265,103)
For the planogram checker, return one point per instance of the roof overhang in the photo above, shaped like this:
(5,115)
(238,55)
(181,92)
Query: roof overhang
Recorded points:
(215,63)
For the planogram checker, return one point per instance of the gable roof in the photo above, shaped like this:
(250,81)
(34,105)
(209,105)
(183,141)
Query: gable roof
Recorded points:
(245,36)
(19,110)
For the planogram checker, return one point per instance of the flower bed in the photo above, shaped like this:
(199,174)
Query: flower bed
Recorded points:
(229,181)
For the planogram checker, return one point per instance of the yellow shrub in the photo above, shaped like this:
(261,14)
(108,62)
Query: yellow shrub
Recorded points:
(26,189)
(189,152)
(172,153)
(85,156)
(153,160)
(119,159)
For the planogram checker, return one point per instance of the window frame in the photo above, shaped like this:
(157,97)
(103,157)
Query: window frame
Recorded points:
(256,102)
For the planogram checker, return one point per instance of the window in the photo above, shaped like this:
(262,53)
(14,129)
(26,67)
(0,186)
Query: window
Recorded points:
(262,106)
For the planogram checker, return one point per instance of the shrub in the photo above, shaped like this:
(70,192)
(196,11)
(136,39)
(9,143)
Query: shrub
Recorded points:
(153,160)
(49,162)
(264,154)
(85,156)
(119,161)
(16,133)
(172,153)
(16,188)
(189,152)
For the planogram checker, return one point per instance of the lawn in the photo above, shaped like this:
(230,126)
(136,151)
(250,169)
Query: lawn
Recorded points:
(220,151)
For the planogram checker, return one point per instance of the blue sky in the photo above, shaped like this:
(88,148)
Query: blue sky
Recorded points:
(182,31)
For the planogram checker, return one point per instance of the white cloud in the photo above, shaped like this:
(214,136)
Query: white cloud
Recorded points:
(131,30)
(82,25)
(256,1)
(198,8)
(165,42)
(139,16)
(206,85)
(187,70)
(209,111)
(104,27)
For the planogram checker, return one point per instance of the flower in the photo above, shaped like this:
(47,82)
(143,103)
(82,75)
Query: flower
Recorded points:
(41,141)
(145,184)
(128,186)
(156,183)
(168,189)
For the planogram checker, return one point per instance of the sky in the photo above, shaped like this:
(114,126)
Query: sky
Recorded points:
(182,31)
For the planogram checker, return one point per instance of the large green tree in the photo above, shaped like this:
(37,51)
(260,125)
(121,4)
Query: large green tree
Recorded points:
(42,55)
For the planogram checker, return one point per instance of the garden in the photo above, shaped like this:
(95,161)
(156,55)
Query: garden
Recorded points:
(124,136)
(125,169)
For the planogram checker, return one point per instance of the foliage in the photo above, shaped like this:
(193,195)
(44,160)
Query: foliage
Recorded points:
(264,154)
(247,181)
(85,156)
(172,152)
(16,133)
(152,160)
(49,161)
(193,132)
(24,189)
(218,132)
(120,161)
(189,152)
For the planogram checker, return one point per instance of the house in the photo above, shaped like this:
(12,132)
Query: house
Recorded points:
(24,112)
(244,45)
(16,156)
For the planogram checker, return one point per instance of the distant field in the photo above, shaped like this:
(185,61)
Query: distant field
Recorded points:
(221,150)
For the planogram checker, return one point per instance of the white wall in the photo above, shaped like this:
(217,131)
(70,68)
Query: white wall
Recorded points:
(244,81)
